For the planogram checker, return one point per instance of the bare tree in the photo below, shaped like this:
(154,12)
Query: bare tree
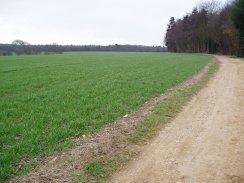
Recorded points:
(207,29)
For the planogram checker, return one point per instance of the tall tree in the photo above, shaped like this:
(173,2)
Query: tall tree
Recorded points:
(170,40)
(238,19)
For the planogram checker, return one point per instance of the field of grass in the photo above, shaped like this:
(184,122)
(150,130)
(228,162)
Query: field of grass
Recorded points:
(47,99)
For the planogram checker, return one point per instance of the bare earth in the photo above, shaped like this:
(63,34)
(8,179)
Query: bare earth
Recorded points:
(205,143)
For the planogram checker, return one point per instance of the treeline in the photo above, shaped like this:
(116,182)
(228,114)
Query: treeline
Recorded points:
(19,47)
(116,47)
(209,29)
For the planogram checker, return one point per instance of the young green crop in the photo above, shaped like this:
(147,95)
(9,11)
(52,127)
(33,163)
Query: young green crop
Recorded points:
(46,99)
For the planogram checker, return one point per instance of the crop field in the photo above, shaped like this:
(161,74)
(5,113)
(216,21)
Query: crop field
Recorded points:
(47,99)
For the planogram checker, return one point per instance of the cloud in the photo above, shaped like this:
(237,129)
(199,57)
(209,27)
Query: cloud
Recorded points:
(89,21)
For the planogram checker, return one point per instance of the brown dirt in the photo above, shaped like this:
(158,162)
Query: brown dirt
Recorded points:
(64,167)
(205,142)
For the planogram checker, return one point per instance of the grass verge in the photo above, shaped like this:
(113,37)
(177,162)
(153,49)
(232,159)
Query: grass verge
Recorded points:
(168,109)
(101,170)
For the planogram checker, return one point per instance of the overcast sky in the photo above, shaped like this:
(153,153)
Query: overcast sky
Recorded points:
(82,22)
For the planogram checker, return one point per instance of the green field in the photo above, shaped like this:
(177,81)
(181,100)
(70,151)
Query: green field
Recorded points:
(47,99)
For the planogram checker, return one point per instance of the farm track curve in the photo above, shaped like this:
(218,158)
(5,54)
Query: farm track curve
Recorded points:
(205,142)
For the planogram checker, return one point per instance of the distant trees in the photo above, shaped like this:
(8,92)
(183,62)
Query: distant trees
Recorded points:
(20,42)
(20,47)
(208,29)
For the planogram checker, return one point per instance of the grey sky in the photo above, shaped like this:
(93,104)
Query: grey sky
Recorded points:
(89,21)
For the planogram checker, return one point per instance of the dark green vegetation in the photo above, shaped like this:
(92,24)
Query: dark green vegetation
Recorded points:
(209,28)
(95,169)
(20,47)
(238,19)
(47,99)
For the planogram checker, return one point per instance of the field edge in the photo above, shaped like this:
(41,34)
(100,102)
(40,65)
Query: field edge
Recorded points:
(102,168)
(163,113)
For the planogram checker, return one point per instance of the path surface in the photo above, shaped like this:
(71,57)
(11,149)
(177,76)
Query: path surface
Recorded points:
(205,143)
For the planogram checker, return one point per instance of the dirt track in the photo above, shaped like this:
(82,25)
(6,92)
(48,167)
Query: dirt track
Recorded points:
(205,143)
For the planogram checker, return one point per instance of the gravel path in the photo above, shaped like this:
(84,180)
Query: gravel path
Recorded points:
(205,143)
